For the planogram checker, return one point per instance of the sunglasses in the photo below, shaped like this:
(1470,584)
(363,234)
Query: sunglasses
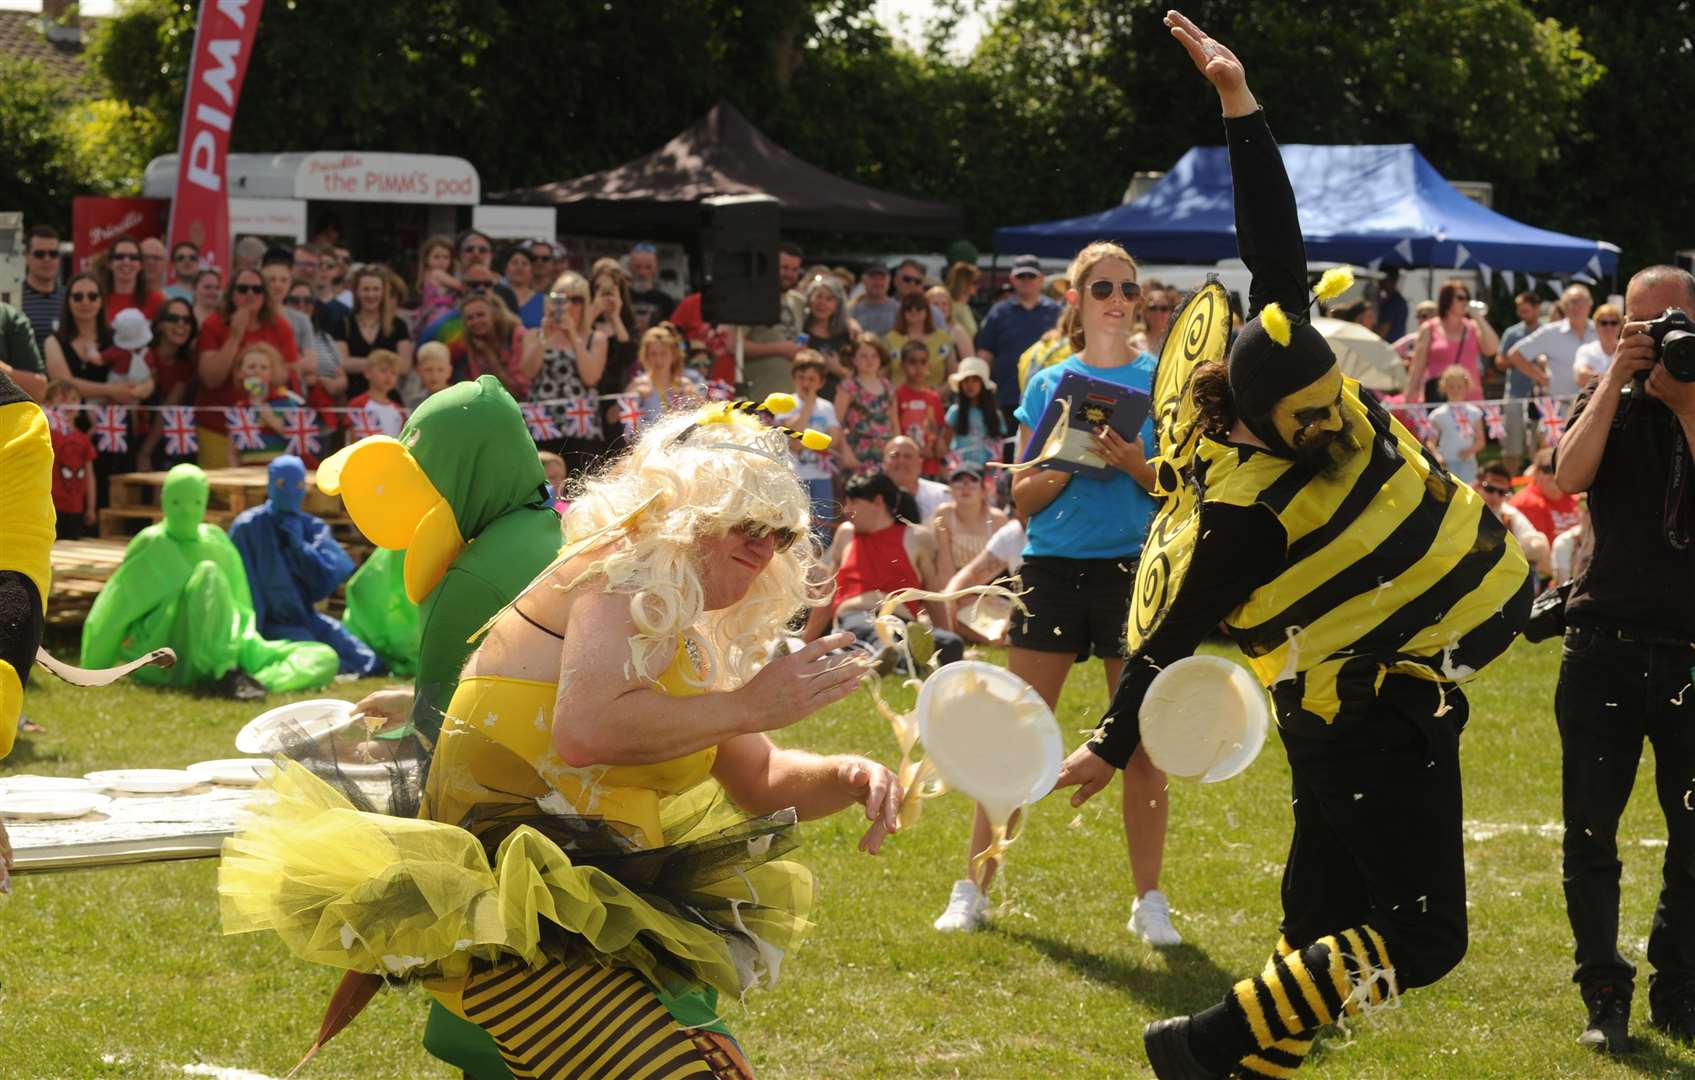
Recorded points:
(755,531)
(44,253)
(249,290)
(1606,322)
(475,249)
(85,297)
(186,256)
(908,279)
(175,320)
(299,301)
(124,256)
(1103,289)
(1493,490)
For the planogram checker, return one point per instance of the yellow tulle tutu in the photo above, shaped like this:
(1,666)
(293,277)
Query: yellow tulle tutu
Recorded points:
(418,899)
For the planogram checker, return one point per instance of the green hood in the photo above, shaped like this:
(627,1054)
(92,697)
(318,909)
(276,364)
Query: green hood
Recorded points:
(471,441)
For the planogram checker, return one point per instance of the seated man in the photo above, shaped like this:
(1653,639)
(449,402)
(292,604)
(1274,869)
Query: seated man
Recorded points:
(985,619)
(903,462)
(1496,485)
(874,555)
(182,585)
(292,563)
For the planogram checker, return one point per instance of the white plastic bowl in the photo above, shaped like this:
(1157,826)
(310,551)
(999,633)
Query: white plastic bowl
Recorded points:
(990,735)
(1204,718)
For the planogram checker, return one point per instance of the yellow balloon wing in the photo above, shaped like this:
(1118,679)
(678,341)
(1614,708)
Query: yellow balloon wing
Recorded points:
(1199,333)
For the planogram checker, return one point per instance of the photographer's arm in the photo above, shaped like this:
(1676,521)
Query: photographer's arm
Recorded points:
(1578,455)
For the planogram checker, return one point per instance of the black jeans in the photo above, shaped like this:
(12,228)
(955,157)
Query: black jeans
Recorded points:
(1612,694)
(1378,837)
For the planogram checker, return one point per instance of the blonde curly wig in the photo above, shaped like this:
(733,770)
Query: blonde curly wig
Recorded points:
(699,472)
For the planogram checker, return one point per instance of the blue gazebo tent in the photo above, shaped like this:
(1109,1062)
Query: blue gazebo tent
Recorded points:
(1366,205)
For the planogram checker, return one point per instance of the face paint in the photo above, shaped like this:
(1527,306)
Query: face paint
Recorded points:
(1310,411)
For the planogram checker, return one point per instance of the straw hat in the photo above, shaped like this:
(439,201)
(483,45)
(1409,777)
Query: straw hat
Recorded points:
(971,365)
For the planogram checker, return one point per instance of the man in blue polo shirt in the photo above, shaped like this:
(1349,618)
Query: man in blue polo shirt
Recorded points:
(1012,326)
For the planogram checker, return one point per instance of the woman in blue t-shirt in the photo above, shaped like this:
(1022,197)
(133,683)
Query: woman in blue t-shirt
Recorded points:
(1084,537)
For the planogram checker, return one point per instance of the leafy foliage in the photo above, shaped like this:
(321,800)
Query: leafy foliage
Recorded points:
(42,171)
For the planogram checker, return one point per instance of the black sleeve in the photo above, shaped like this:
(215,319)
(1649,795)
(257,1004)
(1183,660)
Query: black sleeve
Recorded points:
(1239,549)
(1268,230)
(21,622)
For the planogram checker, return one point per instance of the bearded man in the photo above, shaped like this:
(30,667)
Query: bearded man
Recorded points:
(1362,581)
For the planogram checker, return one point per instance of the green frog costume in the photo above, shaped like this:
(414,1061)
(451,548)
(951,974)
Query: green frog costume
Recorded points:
(182,585)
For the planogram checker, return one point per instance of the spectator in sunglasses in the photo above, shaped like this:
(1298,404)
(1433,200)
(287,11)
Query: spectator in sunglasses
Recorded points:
(184,266)
(171,356)
(43,296)
(1594,357)
(248,317)
(1495,484)
(125,280)
(1158,304)
(475,253)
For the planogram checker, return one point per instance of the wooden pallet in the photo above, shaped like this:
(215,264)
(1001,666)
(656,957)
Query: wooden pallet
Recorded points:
(134,500)
(80,570)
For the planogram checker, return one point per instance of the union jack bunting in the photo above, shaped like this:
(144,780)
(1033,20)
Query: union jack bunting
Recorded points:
(540,424)
(300,428)
(243,423)
(1552,418)
(177,422)
(630,414)
(363,422)
(719,390)
(59,420)
(111,429)
(579,417)
(1494,423)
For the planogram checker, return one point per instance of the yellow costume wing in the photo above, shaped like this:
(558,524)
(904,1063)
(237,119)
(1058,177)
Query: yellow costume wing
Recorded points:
(1199,332)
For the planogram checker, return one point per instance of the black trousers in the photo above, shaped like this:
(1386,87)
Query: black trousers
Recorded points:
(1378,838)
(1612,694)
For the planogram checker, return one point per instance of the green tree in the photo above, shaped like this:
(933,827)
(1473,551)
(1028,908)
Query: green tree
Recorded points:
(42,173)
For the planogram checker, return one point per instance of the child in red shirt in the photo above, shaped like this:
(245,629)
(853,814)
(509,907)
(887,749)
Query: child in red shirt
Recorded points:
(73,463)
(918,410)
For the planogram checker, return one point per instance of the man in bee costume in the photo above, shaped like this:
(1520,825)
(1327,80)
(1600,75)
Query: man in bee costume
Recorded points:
(1363,583)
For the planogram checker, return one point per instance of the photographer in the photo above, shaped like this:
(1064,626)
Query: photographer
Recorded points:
(1629,644)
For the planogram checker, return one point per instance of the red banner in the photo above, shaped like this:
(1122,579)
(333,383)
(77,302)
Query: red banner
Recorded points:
(97,220)
(223,43)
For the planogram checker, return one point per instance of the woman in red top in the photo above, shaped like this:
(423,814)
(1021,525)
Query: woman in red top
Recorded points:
(172,357)
(124,280)
(247,317)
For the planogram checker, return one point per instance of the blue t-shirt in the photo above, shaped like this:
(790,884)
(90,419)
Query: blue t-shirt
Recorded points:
(1091,518)
(1519,385)
(1007,331)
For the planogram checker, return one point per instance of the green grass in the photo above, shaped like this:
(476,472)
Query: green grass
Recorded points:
(129,963)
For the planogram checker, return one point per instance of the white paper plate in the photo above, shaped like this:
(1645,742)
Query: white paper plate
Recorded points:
(990,735)
(145,781)
(311,719)
(234,772)
(24,783)
(51,805)
(1204,718)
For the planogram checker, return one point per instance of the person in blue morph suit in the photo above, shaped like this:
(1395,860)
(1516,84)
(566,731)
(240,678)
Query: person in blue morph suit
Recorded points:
(293,562)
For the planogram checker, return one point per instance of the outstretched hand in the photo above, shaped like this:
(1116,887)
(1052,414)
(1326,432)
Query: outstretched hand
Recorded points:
(1086,771)
(1214,60)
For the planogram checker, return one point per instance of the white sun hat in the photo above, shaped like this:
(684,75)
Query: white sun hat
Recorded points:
(971,365)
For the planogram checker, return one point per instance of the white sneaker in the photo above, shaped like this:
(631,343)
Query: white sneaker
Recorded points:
(1150,919)
(968,908)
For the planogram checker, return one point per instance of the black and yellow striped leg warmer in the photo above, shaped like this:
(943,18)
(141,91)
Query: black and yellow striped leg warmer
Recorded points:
(1301,991)
(581,1021)
(1284,1056)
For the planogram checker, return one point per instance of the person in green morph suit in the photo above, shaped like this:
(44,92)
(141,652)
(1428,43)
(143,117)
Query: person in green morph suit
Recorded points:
(463,493)
(182,585)
(379,612)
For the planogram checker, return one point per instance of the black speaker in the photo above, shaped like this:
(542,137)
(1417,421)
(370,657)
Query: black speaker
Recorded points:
(739,259)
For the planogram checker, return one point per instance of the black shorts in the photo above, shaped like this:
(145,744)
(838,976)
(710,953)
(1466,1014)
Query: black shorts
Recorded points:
(1077,606)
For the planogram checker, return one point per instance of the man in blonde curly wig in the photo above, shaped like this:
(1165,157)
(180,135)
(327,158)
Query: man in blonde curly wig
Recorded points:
(607,897)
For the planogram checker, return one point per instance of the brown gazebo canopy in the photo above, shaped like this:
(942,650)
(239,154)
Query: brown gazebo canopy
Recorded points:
(724,154)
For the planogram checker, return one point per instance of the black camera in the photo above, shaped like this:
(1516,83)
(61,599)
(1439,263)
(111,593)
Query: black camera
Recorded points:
(1674,343)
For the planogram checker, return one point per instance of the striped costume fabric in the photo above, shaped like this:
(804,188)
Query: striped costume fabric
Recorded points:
(1392,566)
(1302,990)
(585,1022)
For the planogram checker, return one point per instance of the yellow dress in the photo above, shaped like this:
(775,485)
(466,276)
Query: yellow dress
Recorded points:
(534,897)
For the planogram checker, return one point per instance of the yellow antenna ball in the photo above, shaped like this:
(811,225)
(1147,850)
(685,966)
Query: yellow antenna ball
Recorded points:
(1336,281)
(1275,322)
(814,440)
(778,404)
